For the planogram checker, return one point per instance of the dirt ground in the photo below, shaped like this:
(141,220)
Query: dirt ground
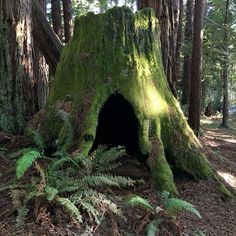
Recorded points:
(218,213)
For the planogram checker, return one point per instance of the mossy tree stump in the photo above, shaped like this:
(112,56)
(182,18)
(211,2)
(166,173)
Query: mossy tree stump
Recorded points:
(113,66)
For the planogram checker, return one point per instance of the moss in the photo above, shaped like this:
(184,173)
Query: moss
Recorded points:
(160,169)
(119,52)
(225,192)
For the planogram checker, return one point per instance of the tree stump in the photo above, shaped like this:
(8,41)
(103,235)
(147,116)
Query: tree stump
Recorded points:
(110,86)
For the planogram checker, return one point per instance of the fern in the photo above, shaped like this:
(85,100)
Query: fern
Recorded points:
(70,207)
(104,160)
(174,205)
(199,233)
(134,200)
(50,193)
(22,212)
(23,164)
(71,177)
(152,227)
(86,205)
(105,180)
(97,199)
(38,140)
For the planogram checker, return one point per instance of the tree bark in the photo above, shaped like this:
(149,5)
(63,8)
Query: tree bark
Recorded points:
(188,36)
(179,40)
(167,12)
(225,67)
(56,17)
(45,37)
(196,69)
(67,10)
(43,5)
(23,79)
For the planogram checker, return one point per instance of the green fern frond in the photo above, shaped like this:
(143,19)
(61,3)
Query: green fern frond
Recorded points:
(70,207)
(79,159)
(50,193)
(38,140)
(135,200)
(89,208)
(175,205)
(16,196)
(26,161)
(104,160)
(199,233)
(22,212)
(105,180)
(164,196)
(102,200)
(152,227)
(57,164)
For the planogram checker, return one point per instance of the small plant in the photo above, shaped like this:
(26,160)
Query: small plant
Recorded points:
(169,205)
(73,182)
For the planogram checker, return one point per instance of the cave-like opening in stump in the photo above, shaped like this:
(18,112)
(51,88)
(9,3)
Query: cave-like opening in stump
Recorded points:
(118,126)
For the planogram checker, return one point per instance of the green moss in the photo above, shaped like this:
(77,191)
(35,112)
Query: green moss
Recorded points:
(225,192)
(119,51)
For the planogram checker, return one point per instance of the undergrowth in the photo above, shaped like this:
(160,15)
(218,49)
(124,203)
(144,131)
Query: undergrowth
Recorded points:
(76,183)
(170,206)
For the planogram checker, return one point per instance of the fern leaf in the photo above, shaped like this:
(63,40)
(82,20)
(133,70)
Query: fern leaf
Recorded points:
(50,193)
(24,162)
(135,200)
(89,208)
(38,140)
(22,212)
(104,180)
(57,164)
(174,205)
(70,207)
(104,160)
(152,227)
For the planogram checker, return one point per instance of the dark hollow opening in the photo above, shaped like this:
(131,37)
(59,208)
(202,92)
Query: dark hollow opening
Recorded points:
(118,125)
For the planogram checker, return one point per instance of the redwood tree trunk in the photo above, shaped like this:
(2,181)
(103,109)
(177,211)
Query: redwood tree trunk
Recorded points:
(46,39)
(167,12)
(23,81)
(225,67)
(67,10)
(188,36)
(179,40)
(56,17)
(43,5)
(196,69)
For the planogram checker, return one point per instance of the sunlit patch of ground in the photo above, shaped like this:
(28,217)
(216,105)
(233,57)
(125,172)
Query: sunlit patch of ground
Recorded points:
(228,177)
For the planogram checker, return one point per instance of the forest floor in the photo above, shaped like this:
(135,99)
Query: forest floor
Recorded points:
(218,213)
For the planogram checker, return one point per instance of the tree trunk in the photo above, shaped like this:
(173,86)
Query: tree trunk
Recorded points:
(43,5)
(179,40)
(23,73)
(45,37)
(188,36)
(67,9)
(23,79)
(225,67)
(121,97)
(196,69)
(167,12)
(56,17)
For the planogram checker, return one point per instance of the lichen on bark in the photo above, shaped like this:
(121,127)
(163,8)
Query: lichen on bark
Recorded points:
(119,52)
